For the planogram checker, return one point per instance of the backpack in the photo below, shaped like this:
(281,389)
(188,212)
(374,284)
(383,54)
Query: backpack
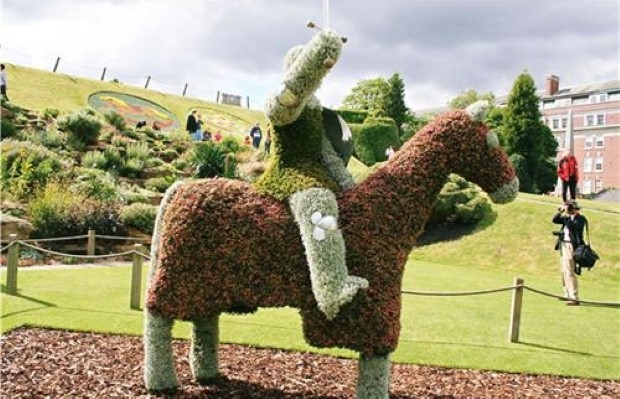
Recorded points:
(585,257)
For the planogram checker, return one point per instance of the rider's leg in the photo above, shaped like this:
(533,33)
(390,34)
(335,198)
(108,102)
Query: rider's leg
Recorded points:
(316,213)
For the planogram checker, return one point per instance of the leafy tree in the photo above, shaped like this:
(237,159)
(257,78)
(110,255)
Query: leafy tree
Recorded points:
(413,124)
(469,97)
(526,135)
(395,106)
(368,95)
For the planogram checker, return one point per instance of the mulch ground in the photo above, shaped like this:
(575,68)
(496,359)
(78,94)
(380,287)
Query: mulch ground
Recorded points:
(49,363)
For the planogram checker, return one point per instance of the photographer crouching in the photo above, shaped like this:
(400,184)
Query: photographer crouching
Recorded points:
(569,237)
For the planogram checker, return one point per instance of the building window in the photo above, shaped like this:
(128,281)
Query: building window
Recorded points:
(598,164)
(556,123)
(598,185)
(595,120)
(589,141)
(599,141)
(592,98)
(602,97)
(587,187)
(564,123)
(587,165)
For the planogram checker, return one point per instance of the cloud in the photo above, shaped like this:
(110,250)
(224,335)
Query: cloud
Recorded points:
(440,47)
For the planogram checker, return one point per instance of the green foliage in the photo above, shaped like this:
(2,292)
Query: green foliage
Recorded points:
(131,167)
(468,97)
(58,212)
(368,95)
(373,137)
(525,132)
(138,151)
(113,157)
(94,159)
(160,184)
(25,166)
(180,164)
(395,106)
(460,202)
(7,129)
(518,161)
(51,138)
(50,113)
(209,159)
(153,162)
(95,183)
(230,145)
(352,115)
(82,127)
(115,119)
(139,216)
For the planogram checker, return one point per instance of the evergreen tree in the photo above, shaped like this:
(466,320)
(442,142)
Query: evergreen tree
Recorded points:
(526,135)
(395,106)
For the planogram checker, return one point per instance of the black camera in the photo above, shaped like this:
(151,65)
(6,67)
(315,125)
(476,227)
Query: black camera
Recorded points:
(556,233)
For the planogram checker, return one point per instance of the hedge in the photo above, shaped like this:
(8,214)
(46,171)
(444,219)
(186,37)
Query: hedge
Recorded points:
(373,137)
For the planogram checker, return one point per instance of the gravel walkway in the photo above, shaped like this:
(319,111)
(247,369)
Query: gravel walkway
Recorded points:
(49,363)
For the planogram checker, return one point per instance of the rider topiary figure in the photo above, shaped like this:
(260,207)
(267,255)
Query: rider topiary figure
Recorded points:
(311,147)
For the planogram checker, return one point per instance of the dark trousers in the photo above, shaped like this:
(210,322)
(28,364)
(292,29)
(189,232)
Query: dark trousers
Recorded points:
(571,185)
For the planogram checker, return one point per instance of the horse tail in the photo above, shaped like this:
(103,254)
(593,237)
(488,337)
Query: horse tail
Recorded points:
(157,228)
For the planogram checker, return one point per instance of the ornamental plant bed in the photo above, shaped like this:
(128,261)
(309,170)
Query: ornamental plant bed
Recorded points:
(52,363)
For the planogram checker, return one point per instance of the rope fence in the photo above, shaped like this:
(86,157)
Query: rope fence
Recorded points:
(138,255)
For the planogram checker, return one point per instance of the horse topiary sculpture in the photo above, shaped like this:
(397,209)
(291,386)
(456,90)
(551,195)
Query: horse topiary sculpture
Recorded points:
(219,246)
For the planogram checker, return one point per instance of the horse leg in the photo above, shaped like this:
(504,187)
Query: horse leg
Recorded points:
(373,378)
(203,352)
(159,373)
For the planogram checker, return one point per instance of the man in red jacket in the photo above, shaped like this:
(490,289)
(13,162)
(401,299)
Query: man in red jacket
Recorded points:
(567,172)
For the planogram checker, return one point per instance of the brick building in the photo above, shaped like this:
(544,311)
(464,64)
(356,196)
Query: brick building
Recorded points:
(594,110)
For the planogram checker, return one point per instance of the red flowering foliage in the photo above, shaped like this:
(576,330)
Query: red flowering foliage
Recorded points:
(226,248)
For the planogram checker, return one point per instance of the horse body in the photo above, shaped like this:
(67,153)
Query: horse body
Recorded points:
(225,248)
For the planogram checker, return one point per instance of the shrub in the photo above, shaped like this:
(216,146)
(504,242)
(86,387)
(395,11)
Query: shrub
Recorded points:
(113,158)
(94,159)
(352,115)
(95,183)
(159,184)
(180,164)
(460,202)
(7,129)
(50,113)
(169,154)
(138,151)
(153,162)
(209,160)
(373,137)
(50,139)
(180,140)
(131,167)
(25,166)
(139,216)
(83,129)
(229,144)
(115,119)
(57,212)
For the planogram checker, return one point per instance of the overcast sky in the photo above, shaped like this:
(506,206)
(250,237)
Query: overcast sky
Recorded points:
(440,47)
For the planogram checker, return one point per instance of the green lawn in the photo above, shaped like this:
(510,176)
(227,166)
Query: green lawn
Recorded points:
(466,332)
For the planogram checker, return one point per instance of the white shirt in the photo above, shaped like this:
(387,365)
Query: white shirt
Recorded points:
(3,78)
(566,235)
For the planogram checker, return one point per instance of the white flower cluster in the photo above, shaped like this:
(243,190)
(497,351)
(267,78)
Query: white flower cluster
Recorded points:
(506,193)
(492,140)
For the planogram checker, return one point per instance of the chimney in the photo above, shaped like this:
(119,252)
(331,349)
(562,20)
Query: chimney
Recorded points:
(553,85)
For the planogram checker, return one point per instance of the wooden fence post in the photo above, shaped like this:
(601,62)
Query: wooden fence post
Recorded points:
(90,245)
(103,73)
(11,270)
(515,310)
(148,80)
(136,277)
(185,90)
(56,64)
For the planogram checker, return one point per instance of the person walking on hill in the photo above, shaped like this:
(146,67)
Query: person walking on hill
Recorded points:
(256,134)
(191,126)
(3,83)
(569,237)
(567,172)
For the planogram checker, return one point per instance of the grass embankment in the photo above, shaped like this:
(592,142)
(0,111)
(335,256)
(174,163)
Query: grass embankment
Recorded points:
(467,332)
(37,90)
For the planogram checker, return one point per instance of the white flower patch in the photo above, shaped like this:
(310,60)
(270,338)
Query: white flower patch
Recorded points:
(478,110)
(492,139)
